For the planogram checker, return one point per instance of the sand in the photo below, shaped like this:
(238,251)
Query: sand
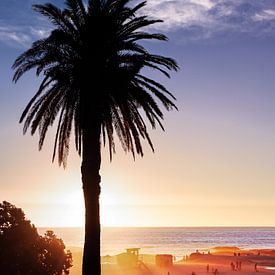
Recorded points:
(219,259)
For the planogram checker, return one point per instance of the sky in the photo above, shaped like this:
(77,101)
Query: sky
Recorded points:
(215,163)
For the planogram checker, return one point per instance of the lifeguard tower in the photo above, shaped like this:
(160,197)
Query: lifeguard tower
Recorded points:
(130,258)
(133,251)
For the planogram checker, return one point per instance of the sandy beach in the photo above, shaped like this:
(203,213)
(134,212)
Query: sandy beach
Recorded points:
(219,261)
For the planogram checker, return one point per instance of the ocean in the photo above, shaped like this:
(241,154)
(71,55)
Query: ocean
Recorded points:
(178,241)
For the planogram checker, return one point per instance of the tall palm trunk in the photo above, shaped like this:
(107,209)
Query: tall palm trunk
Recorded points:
(91,189)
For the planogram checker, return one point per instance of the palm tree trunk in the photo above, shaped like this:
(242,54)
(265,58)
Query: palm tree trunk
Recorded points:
(91,188)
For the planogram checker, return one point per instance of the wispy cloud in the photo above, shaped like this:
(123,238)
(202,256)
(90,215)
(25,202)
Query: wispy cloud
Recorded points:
(19,25)
(14,36)
(201,19)
(39,32)
(180,13)
(196,19)
(265,15)
(21,37)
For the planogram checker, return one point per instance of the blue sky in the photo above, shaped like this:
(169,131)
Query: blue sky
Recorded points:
(218,151)
(195,20)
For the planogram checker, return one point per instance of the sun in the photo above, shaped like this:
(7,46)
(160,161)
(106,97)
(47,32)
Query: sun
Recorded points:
(72,204)
(107,217)
(71,210)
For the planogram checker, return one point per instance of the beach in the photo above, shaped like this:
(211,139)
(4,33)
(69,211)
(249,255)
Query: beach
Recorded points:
(252,244)
(219,260)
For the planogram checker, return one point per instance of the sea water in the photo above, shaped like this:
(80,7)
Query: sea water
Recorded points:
(178,241)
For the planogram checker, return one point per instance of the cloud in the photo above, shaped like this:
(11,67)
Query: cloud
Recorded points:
(21,37)
(265,15)
(204,19)
(14,36)
(19,24)
(180,14)
(40,32)
(195,19)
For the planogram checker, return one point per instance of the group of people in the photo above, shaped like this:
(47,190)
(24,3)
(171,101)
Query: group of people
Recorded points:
(214,270)
(237,254)
(237,266)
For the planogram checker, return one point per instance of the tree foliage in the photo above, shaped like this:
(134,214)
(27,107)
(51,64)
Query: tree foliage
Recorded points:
(92,65)
(94,85)
(23,251)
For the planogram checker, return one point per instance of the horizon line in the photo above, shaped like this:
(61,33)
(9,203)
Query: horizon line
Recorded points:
(197,226)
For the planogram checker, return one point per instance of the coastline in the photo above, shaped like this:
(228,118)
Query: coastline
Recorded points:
(178,241)
(219,260)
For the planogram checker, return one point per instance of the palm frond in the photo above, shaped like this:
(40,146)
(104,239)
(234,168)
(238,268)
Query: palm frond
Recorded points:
(92,68)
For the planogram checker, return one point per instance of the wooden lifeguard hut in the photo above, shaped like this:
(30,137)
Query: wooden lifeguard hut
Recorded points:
(164,260)
(133,251)
(130,258)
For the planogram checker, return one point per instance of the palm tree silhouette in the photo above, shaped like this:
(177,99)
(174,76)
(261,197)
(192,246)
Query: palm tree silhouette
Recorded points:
(92,81)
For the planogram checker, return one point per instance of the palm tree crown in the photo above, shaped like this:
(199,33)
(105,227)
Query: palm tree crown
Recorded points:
(91,64)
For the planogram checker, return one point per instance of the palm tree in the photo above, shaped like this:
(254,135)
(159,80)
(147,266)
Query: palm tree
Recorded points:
(93,81)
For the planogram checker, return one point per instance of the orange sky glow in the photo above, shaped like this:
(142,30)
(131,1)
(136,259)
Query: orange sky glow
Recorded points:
(215,163)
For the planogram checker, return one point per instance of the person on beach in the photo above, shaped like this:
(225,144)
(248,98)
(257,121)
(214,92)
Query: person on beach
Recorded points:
(238,265)
(256,267)
(207,268)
